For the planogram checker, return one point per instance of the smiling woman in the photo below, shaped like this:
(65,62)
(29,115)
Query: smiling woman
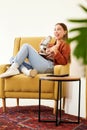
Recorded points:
(57,53)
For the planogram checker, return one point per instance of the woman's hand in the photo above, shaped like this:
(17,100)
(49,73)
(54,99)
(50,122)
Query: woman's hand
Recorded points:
(52,50)
(49,53)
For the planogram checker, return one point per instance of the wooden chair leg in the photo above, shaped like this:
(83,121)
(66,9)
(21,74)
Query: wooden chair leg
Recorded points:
(17,101)
(55,104)
(4,104)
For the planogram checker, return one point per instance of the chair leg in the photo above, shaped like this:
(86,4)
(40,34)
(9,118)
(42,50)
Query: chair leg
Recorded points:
(4,104)
(17,101)
(55,104)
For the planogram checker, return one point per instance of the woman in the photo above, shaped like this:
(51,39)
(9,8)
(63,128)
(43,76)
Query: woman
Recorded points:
(56,54)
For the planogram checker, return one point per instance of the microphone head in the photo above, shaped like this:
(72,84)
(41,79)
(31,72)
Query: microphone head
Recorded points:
(45,42)
(50,37)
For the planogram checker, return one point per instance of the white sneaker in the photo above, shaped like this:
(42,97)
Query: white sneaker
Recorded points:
(32,73)
(10,72)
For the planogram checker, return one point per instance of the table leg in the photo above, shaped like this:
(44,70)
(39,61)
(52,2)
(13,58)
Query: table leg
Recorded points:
(79,96)
(58,97)
(39,100)
(39,111)
(60,85)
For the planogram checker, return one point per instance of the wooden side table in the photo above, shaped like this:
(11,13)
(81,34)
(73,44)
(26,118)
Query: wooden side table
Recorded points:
(59,96)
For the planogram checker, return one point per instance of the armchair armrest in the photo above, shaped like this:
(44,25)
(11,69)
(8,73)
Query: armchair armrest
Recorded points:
(62,69)
(3,68)
(57,69)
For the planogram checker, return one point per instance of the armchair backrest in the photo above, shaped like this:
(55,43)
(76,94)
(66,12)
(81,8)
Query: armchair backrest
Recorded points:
(34,41)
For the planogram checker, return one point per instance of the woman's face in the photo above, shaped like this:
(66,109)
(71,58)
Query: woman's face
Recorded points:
(59,32)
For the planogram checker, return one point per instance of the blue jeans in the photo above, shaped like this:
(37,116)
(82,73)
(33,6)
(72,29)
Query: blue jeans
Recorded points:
(36,61)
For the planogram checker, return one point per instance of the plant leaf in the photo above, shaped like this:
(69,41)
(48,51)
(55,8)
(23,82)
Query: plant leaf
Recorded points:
(78,20)
(80,50)
(79,29)
(84,8)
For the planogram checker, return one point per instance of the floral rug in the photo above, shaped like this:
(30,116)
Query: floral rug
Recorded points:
(26,118)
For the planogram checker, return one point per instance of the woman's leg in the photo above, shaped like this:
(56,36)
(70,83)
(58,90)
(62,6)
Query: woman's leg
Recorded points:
(37,62)
(25,68)
(28,72)
(25,64)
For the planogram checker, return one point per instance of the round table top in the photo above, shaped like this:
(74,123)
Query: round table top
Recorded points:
(65,78)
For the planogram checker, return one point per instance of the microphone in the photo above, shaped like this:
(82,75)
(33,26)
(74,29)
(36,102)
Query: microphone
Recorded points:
(44,43)
(46,40)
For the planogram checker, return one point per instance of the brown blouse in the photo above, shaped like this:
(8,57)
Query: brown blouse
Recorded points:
(62,57)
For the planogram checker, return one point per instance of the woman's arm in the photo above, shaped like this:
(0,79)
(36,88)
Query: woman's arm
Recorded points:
(63,54)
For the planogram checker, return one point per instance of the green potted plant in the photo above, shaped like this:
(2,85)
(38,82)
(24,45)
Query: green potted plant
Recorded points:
(80,50)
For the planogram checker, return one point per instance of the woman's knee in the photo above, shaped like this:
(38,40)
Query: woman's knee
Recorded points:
(26,45)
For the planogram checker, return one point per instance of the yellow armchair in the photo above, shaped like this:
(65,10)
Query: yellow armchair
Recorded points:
(21,86)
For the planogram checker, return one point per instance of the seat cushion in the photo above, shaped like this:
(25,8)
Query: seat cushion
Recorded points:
(22,83)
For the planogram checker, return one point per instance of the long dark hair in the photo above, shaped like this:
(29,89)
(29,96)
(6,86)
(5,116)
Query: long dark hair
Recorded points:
(65,29)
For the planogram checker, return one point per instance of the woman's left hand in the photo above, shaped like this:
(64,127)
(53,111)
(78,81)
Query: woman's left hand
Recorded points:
(49,53)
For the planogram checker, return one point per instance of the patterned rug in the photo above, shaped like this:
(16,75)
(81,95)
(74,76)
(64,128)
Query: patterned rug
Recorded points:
(81,127)
(26,118)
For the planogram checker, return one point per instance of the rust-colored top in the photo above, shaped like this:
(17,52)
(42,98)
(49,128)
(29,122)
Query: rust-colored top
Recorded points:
(62,57)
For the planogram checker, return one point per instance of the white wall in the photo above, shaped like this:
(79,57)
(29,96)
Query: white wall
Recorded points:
(71,102)
(35,18)
(32,18)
